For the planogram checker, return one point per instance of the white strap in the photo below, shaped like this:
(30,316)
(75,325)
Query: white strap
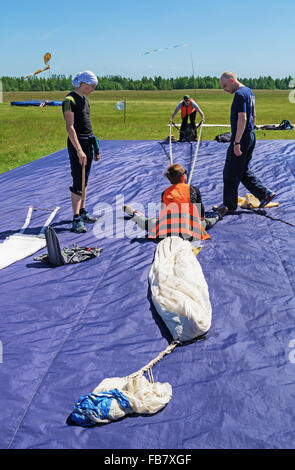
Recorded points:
(28,218)
(195,156)
(170,147)
(49,220)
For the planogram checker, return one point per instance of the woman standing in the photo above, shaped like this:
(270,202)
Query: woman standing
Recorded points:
(82,144)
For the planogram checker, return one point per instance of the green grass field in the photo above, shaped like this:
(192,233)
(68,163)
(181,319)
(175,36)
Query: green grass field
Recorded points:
(30,133)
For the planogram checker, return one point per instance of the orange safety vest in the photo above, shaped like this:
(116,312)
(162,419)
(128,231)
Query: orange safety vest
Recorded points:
(179,217)
(186,110)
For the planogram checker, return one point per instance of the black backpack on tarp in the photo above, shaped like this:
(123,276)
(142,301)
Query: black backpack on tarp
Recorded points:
(57,257)
(226,137)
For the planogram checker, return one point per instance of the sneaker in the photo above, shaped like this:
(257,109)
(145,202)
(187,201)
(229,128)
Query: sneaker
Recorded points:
(78,226)
(213,215)
(269,195)
(129,210)
(221,210)
(88,218)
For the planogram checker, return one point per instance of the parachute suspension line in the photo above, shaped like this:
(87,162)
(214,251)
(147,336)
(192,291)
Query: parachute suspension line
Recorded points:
(153,362)
(196,154)
(41,209)
(170,145)
(151,377)
(264,214)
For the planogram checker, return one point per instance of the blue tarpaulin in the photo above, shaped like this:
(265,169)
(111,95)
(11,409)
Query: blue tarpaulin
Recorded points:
(63,330)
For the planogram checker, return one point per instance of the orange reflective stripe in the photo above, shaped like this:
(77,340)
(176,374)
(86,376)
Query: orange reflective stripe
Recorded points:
(181,224)
(179,216)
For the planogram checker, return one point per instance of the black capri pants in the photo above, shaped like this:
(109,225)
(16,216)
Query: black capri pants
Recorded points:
(76,168)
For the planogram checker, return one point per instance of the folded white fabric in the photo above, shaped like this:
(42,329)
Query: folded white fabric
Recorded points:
(116,397)
(19,246)
(179,290)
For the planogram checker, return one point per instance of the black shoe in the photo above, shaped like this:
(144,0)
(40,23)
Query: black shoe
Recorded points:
(221,210)
(269,195)
(88,218)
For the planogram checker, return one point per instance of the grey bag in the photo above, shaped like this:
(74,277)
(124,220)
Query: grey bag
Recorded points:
(58,257)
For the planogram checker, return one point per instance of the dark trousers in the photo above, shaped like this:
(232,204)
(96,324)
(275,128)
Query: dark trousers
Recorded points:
(192,117)
(76,168)
(236,170)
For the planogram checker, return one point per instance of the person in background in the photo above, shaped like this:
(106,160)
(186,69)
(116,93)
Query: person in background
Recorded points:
(189,109)
(82,145)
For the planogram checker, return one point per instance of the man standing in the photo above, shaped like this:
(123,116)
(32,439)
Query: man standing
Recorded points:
(189,109)
(239,154)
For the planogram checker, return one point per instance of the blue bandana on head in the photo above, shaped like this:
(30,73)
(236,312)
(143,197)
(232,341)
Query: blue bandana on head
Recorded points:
(85,77)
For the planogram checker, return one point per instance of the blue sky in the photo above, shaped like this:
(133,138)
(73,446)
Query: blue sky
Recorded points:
(252,38)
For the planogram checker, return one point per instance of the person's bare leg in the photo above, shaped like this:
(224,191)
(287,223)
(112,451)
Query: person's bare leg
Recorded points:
(77,203)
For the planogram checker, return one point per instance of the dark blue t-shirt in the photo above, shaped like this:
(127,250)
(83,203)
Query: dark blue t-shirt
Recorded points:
(244,102)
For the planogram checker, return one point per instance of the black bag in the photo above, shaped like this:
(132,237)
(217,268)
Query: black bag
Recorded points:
(189,134)
(58,257)
(55,256)
(285,125)
(226,137)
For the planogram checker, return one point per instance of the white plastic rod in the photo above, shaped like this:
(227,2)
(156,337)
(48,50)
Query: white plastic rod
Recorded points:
(49,220)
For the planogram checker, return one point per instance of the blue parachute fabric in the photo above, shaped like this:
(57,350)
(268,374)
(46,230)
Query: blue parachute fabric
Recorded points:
(97,406)
(36,103)
(65,329)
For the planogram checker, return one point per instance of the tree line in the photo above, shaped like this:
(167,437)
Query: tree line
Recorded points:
(116,82)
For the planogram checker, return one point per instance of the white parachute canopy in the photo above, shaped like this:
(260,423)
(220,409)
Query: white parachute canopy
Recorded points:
(180,295)
(179,290)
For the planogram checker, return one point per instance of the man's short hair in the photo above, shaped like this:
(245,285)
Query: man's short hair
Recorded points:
(228,74)
(174,173)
